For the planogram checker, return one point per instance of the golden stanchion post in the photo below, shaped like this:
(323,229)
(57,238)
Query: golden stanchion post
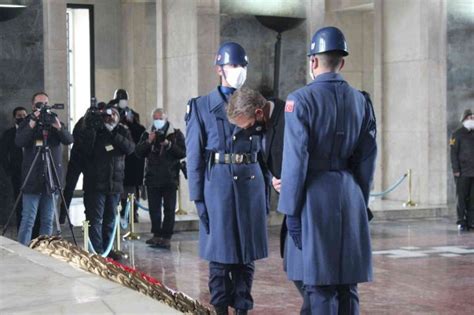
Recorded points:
(179,210)
(118,248)
(131,235)
(410,202)
(85,228)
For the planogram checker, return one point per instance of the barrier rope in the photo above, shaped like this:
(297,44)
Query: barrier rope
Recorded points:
(124,222)
(141,207)
(111,241)
(391,188)
(58,248)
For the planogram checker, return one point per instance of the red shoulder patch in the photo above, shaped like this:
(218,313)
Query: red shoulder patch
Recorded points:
(289,106)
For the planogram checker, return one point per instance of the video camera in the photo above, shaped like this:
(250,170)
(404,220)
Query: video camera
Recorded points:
(47,117)
(93,118)
(160,135)
(96,113)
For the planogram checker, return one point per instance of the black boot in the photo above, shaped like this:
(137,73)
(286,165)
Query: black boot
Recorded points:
(221,310)
(241,312)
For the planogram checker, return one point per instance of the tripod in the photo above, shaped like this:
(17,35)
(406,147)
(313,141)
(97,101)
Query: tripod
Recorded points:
(52,181)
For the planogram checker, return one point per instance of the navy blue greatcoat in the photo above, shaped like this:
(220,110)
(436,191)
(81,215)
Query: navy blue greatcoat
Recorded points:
(234,194)
(329,190)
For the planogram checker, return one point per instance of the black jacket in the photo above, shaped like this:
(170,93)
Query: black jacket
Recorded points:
(462,152)
(31,140)
(273,151)
(134,165)
(11,156)
(105,153)
(162,163)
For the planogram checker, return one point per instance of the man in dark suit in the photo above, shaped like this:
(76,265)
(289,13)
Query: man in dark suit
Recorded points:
(248,109)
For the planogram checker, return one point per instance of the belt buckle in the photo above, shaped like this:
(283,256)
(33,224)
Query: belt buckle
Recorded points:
(239,158)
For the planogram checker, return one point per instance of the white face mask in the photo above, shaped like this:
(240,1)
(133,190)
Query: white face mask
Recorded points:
(123,104)
(236,76)
(469,124)
(159,123)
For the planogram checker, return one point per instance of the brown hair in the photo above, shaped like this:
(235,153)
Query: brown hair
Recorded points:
(244,102)
(36,94)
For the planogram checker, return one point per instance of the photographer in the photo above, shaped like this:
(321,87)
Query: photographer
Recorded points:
(40,129)
(134,166)
(104,143)
(163,147)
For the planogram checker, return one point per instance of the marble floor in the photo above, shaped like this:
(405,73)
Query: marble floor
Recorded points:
(421,266)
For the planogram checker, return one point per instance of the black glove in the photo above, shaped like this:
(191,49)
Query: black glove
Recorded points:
(293,224)
(202,213)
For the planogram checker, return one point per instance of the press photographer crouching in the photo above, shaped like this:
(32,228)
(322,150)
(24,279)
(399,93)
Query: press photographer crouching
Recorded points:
(40,132)
(163,147)
(104,143)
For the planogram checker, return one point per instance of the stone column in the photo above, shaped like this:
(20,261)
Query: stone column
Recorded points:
(187,34)
(55,55)
(413,73)
(139,56)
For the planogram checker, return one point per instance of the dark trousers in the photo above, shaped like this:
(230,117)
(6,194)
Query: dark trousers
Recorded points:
(333,299)
(231,285)
(158,196)
(465,200)
(306,307)
(100,212)
(74,170)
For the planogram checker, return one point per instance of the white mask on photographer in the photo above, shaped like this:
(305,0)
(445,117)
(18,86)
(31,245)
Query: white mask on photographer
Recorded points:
(236,76)
(159,123)
(123,104)
(110,126)
(468,124)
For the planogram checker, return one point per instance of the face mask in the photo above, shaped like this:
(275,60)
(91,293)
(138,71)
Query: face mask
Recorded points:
(236,77)
(469,124)
(123,104)
(257,129)
(19,120)
(110,126)
(159,123)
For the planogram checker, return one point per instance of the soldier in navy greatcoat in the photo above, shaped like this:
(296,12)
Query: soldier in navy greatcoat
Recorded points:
(227,184)
(329,156)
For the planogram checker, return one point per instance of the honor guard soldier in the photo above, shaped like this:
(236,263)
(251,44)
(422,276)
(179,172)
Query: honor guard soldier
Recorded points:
(462,161)
(329,156)
(227,184)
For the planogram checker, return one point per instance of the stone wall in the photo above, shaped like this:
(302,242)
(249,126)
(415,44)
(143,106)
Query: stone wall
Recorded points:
(259,43)
(413,75)
(21,75)
(21,61)
(460,69)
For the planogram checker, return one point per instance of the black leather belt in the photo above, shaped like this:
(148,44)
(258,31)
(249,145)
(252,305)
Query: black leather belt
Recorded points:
(234,158)
(328,165)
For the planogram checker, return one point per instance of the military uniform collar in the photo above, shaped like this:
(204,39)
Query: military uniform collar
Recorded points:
(216,99)
(327,77)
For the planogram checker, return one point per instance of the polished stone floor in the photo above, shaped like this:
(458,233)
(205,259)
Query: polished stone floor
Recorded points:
(422,266)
